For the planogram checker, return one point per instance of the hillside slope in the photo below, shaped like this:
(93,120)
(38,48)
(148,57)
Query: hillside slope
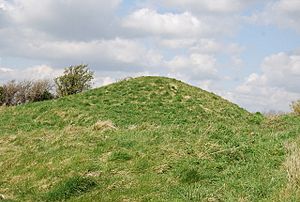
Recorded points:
(143,139)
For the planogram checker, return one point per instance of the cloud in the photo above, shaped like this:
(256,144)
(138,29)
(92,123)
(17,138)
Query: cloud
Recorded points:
(184,25)
(5,70)
(34,72)
(283,13)
(55,33)
(202,45)
(194,66)
(4,7)
(66,19)
(168,24)
(275,88)
(111,54)
(282,70)
(216,6)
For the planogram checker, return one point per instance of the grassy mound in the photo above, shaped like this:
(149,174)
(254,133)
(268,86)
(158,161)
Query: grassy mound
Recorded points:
(150,100)
(142,139)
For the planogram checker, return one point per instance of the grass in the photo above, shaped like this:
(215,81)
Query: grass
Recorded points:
(146,139)
(74,186)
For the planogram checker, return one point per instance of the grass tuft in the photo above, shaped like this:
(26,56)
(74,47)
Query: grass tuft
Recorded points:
(190,176)
(292,165)
(120,156)
(72,187)
(104,125)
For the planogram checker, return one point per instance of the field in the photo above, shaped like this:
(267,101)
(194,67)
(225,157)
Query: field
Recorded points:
(147,139)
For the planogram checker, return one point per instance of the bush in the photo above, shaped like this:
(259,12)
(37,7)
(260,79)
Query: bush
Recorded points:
(40,91)
(10,91)
(15,93)
(1,95)
(296,107)
(257,118)
(76,79)
(23,89)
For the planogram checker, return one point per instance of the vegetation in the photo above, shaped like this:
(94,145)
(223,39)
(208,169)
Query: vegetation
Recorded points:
(71,187)
(76,79)
(147,139)
(16,93)
(296,107)
(2,96)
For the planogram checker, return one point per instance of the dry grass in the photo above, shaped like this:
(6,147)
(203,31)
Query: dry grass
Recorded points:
(104,125)
(292,164)
(2,108)
(296,107)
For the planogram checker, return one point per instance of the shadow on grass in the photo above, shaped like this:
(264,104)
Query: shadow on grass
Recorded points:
(74,186)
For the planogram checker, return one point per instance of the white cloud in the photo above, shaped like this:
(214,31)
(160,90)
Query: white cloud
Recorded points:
(275,88)
(170,24)
(283,13)
(177,43)
(65,19)
(216,6)
(34,72)
(282,70)
(5,70)
(109,54)
(194,45)
(206,46)
(4,5)
(3,13)
(33,34)
(195,66)
(183,24)
(103,80)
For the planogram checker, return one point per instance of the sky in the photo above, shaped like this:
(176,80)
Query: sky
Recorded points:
(246,51)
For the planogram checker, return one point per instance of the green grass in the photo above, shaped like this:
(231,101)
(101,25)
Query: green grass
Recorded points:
(157,139)
(72,187)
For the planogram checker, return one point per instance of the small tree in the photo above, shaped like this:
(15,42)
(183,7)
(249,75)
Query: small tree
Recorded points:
(76,79)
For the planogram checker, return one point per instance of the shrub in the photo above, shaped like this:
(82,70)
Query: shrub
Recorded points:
(76,79)
(1,95)
(23,89)
(40,91)
(10,90)
(257,118)
(296,107)
(15,93)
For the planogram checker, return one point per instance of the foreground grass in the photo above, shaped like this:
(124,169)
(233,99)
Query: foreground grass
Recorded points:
(147,139)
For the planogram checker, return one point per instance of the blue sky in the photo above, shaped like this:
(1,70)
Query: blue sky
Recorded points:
(245,51)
